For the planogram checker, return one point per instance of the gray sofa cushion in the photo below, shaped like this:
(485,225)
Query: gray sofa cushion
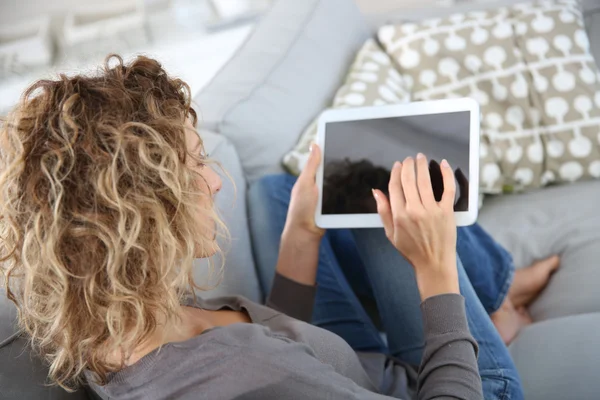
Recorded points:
(592,25)
(283,76)
(560,359)
(239,275)
(24,377)
(558,220)
(8,315)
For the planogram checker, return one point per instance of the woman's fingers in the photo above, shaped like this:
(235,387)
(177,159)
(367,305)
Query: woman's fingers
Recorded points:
(424,182)
(409,184)
(385,212)
(309,172)
(397,201)
(449,186)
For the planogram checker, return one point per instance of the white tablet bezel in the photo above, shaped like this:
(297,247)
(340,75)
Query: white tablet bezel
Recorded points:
(463,218)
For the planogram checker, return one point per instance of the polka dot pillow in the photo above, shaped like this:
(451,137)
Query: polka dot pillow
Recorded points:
(529,66)
(371,81)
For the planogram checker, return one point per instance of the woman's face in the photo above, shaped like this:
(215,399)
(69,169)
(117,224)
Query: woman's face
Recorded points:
(208,180)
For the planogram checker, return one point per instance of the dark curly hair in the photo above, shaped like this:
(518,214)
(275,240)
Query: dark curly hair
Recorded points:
(347,186)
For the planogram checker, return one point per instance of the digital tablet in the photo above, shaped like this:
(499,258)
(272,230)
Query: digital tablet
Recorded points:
(360,146)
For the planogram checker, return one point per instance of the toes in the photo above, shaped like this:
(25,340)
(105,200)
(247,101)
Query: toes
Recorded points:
(549,264)
(542,270)
(555,262)
(530,281)
(524,316)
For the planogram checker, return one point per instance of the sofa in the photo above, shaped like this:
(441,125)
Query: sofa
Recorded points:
(254,110)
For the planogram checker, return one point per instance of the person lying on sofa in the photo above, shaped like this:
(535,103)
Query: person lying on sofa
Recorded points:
(106,199)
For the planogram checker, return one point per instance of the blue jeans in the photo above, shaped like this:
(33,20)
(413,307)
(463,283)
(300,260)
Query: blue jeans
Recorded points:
(362,262)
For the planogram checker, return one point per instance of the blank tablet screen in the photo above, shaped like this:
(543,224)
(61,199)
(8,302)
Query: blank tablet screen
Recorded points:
(360,154)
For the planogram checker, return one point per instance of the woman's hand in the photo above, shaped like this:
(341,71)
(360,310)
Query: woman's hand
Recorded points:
(299,250)
(421,228)
(300,221)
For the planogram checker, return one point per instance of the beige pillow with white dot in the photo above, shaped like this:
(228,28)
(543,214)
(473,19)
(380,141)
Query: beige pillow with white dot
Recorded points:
(371,81)
(529,67)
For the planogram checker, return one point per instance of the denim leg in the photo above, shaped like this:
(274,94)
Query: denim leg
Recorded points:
(344,247)
(488,265)
(398,301)
(268,202)
(337,308)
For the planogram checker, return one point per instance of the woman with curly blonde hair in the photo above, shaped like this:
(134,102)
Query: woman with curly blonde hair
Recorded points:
(106,197)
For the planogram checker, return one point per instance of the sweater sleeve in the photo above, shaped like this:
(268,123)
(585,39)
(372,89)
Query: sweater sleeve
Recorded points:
(449,366)
(292,298)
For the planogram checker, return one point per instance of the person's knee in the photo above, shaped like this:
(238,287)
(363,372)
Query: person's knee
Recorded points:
(271,185)
(276,180)
(501,384)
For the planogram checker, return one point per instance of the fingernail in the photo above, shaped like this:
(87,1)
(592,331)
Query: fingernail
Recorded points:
(397,164)
(312,146)
(375,194)
(445,163)
(420,156)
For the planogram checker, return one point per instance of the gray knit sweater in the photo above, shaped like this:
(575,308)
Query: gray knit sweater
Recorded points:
(278,356)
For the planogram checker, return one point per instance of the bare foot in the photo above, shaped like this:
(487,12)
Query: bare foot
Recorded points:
(530,281)
(509,320)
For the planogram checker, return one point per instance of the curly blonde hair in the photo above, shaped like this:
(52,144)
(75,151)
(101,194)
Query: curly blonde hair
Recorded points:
(99,213)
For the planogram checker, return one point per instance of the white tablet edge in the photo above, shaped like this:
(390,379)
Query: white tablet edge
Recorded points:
(463,218)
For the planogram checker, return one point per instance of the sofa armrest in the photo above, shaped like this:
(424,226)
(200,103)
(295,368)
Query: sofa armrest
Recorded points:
(23,375)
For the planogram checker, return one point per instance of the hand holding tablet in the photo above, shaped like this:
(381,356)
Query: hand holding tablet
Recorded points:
(420,227)
(360,146)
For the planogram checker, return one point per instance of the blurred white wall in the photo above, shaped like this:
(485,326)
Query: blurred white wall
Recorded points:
(15,10)
(11,9)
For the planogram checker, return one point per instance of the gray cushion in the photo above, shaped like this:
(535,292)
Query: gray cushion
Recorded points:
(24,377)
(560,359)
(558,220)
(592,24)
(239,275)
(284,75)
(7,317)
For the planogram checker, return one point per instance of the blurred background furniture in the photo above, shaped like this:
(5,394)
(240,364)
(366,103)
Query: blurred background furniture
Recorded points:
(252,113)
(109,26)
(193,38)
(227,12)
(24,45)
(190,41)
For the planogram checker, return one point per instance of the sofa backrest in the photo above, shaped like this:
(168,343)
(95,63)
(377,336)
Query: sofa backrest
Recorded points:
(284,75)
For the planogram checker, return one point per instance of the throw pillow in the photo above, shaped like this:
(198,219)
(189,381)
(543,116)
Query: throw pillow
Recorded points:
(371,81)
(529,66)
